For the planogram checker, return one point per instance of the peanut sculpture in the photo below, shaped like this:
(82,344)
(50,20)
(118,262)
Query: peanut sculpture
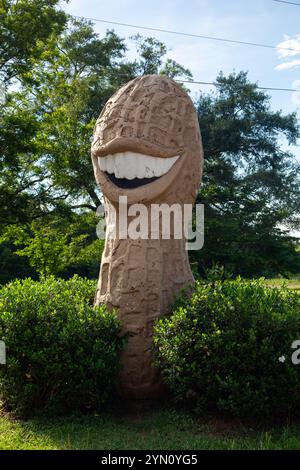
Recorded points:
(147,148)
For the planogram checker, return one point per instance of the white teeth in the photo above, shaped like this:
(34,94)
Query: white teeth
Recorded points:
(110,164)
(132,165)
(139,168)
(102,163)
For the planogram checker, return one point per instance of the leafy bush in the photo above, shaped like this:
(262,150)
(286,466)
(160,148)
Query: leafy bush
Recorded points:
(62,354)
(220,349)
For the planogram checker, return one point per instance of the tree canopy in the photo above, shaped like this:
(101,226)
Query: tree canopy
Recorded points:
(65,74)
(25,28)
(251,183)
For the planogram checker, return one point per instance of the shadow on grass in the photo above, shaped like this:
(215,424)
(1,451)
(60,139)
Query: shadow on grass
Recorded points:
(133,428)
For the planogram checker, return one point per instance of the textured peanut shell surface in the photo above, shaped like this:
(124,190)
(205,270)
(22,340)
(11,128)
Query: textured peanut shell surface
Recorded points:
(151,115)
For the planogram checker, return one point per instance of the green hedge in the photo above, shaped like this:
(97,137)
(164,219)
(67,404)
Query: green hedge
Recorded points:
(220,350)
(62,354)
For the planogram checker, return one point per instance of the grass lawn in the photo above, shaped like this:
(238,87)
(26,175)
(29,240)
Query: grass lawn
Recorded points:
(291,283)
(158,430)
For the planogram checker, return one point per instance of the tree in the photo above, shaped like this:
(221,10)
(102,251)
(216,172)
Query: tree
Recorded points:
(46,171)
(66,74)
(57,106)
(52,246)
(152,53)
(25,27)
(250,184)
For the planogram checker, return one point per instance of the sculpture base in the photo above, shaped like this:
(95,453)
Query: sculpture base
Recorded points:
(134,408)
(143,391)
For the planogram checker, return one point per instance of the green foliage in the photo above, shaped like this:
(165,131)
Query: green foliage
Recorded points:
(46,126)
(25,27)
(53,245)
(152,54)
(13,266)
(62,354)
(250,183)
(220,349)
(48,167)
(66,73)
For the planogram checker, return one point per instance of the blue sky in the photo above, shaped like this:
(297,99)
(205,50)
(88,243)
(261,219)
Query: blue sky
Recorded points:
(263,21)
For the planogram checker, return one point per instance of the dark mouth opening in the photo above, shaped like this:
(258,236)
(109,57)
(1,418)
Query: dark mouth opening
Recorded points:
(129,184)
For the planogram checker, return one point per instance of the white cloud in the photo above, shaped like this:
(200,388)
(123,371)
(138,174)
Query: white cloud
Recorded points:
(292,64)
(293,43)
(285,46)
(296,95)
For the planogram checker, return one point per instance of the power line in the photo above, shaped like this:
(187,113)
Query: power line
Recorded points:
(181,33)
(197,82)
(259,87)
(289,3)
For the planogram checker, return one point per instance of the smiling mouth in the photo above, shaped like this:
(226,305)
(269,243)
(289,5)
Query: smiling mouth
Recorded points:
(131,170)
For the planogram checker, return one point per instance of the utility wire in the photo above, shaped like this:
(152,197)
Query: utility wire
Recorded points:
(181,33)
(289,3)
(259,87)
(197,82)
